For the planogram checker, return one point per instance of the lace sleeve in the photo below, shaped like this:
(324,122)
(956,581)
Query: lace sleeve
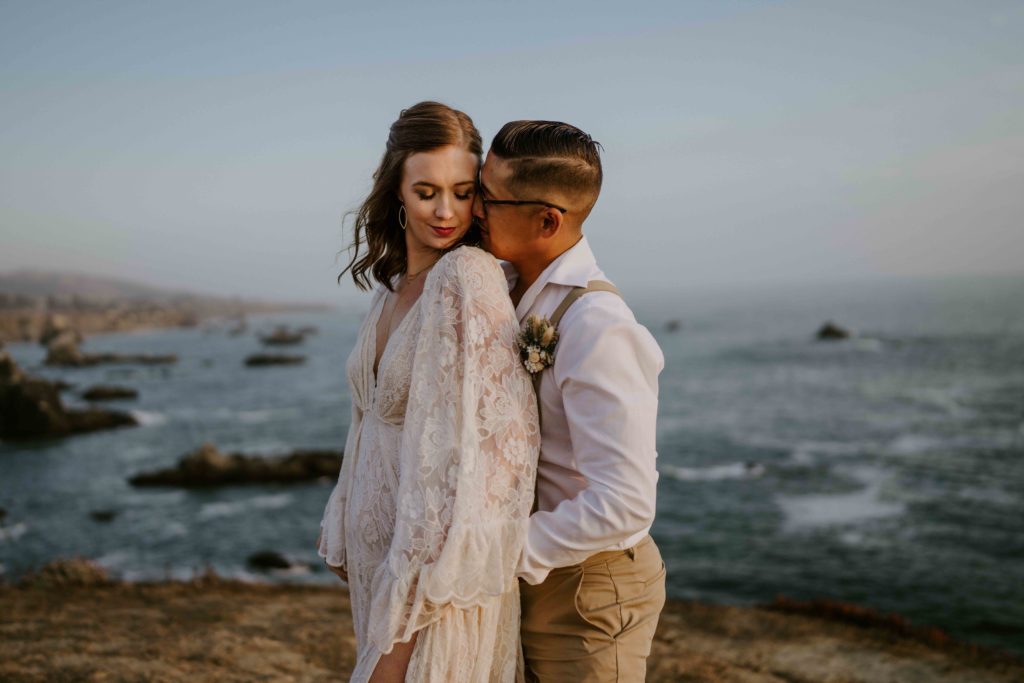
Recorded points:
(468,456)
(332,524)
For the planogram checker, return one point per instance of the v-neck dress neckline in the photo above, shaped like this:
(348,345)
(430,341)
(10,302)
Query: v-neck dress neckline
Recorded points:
(375,372)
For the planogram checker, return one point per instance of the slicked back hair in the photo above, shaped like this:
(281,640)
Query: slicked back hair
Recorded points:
(551,154)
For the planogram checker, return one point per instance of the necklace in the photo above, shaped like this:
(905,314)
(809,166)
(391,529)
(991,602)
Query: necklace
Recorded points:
(409,277)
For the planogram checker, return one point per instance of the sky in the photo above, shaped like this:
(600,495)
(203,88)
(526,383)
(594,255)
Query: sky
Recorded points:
(217,146)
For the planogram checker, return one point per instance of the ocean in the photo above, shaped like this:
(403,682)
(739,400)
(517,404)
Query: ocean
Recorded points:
(885,470)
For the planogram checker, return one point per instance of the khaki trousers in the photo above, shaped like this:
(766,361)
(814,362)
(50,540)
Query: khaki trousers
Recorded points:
(594,621)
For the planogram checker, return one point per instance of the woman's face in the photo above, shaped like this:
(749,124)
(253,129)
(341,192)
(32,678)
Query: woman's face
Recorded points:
(437,190)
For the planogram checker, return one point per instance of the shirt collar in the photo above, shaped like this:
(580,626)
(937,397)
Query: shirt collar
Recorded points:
(573,267)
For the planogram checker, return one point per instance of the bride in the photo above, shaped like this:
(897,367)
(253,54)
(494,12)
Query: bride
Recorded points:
(428,517)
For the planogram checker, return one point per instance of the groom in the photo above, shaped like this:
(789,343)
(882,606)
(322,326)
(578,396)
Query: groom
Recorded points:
(592,579)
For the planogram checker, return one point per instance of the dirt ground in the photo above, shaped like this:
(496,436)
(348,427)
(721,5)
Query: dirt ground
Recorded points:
(211,629)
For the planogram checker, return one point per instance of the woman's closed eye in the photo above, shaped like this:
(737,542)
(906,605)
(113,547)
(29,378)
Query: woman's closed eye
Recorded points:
(460,196)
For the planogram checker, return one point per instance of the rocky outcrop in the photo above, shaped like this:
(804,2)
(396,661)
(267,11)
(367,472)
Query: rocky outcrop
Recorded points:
(273,561)
(103,515)
(32,407)
(263,359)
(64,352)
(105,392)
(282,336)
(832,332)
(207,466)
(57,325)
(77,572)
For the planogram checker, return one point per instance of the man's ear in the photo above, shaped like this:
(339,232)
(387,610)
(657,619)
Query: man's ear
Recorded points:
(552,223)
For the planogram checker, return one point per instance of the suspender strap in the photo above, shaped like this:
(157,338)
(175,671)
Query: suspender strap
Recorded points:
(574,294)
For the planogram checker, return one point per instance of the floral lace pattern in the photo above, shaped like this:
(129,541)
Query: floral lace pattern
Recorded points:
(429,513)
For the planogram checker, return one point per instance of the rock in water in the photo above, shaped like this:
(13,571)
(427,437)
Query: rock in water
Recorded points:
(31,407)
(262,359)
(268,559)
(103,515)
(58,325)
(207,466)
(282,336)
(104,392)
(63,351)
(830,332)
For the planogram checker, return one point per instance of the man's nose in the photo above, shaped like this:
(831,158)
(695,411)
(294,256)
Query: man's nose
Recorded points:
(478,207)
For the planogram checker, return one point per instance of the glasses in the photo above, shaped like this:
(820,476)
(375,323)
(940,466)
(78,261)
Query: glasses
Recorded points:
(521,202)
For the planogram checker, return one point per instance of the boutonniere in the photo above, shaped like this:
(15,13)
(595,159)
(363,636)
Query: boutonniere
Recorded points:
(537,343)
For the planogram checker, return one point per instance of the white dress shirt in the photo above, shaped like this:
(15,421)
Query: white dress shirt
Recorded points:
(597,478)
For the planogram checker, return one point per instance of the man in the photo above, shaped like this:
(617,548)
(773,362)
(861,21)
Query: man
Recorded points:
(592,579)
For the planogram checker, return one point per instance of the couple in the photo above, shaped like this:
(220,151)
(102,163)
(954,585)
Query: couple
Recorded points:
(463,404)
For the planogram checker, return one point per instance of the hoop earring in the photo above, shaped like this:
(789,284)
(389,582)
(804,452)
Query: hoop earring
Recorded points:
(403,219)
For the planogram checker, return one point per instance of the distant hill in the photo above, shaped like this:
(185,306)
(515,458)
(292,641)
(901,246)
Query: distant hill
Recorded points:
(36,284)
(93,304)
(98,289)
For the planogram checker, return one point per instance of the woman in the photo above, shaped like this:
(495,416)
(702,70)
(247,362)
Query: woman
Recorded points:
(429,514)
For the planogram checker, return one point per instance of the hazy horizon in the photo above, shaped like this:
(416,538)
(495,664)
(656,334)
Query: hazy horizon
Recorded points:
(216,148)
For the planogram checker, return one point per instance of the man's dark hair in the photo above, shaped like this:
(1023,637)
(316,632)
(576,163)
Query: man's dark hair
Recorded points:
(551,154)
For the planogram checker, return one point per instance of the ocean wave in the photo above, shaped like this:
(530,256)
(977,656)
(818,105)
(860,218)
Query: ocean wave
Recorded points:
(804,451)
(154,497)
(173,530)
(739,470)
(114,559)
(991,495)
(237,507)
(13,532)
(868,344)
(912,444)
(255,416)
(839,509)
(148,418)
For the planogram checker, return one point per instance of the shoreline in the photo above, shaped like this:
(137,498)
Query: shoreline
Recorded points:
(80,625)
(26,325)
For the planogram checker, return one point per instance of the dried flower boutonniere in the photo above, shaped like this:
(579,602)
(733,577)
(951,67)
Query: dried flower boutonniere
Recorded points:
(537,343)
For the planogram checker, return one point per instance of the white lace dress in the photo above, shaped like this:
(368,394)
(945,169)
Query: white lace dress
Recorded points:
(429,513)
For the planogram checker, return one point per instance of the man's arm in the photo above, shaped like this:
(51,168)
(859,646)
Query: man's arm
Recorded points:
(607,366)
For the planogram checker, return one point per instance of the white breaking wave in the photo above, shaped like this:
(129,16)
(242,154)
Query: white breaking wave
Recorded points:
(804,452)
(13,532)
(147,418)
(114,560)
(236,507)
(823,510)
(739,470)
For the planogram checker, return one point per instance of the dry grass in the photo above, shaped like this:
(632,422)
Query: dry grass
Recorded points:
(208,629)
